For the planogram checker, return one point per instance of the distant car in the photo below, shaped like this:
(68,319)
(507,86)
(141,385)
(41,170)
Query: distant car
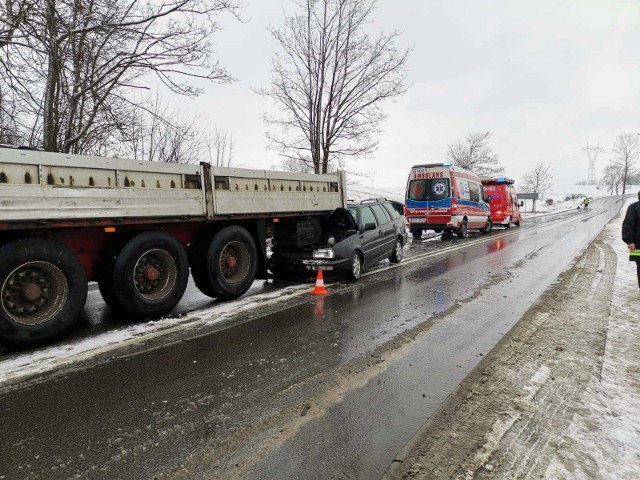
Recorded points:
(352,240)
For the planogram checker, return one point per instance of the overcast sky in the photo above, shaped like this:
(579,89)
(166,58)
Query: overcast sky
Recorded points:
(545,77)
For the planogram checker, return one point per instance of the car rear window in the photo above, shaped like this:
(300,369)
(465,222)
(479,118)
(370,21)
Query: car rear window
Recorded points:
(392,211)
(381,213)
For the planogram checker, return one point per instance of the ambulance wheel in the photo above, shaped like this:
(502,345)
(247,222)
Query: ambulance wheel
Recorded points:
(462,231)
(488,226)
(43,289)
(508,225)
(416,232)
(517,224)
(447,235)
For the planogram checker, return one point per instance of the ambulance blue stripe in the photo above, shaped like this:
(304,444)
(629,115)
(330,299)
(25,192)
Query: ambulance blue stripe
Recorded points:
(446,203)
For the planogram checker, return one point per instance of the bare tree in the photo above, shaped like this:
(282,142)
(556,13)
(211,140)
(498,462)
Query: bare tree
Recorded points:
(626,148)
(329,81)
(73,64)
(220,146)
(155,133)
(475,154)
(613,176)
(537,180)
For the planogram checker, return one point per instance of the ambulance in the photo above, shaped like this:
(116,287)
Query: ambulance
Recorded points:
(445,198)
(505,208)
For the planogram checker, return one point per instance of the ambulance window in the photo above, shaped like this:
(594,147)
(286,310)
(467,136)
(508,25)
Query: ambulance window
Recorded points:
(463,187)
(381,213)
(474,192)
(417,189)
(368,217)
(438,189)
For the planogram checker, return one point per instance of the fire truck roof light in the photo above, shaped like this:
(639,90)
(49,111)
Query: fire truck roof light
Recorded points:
(498,180)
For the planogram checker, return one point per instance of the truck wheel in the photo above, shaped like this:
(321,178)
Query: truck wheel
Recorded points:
(198,261)
(416,232)
(106,275)
(396,256)
(230,262)
(488,226)
(355,267)
(462,231)
(150,274)
(43,290)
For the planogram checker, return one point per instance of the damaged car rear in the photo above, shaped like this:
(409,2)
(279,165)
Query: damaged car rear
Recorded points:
(341,245)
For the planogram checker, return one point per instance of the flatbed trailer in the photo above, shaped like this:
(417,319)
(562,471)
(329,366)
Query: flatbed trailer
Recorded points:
(137,228)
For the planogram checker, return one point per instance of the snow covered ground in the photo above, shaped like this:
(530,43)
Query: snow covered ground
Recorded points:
(608,429)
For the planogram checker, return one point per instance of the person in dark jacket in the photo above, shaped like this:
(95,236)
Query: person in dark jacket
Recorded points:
(631,233)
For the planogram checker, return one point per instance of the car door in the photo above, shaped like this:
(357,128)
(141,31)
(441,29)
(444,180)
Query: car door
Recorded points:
(388,230)
(371,240)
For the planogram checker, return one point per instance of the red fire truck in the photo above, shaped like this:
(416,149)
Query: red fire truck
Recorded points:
(505,207)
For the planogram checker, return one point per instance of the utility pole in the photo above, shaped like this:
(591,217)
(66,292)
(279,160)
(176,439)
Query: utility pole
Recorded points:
(592,155)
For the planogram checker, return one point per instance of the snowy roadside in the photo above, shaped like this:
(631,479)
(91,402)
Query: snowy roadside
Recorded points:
(559,396)
(607,430)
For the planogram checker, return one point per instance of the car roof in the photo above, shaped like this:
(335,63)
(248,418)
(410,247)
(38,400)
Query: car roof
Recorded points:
(370,201)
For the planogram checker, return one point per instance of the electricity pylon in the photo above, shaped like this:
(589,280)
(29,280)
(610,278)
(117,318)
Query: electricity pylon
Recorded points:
(592,155)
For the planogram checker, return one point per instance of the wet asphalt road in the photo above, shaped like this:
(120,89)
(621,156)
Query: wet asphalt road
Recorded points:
(328,387)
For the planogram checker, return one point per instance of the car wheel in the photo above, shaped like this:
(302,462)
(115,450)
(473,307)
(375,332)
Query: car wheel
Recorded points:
(396,255)
(43,289)
(462,231)
(355,267)
(416,232)
(488,227)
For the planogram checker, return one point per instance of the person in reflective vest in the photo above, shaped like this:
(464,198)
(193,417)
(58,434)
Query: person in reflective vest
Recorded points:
(631,233)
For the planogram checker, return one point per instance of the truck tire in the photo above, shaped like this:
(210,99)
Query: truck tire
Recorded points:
(106,275)
(43,289)
(150,275)
(198,262)
(229,264)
